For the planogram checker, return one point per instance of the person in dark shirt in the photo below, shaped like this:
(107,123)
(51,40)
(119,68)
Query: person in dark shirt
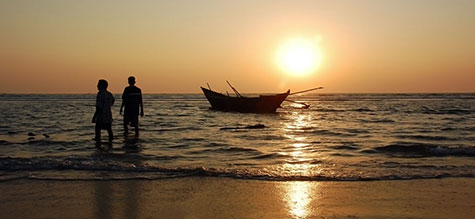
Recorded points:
(103,115)
(132,102)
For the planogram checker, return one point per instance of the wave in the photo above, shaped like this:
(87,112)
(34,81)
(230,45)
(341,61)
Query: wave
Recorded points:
(466,129)
(329,110)
(415,149)
(345,147)
(426,137)
(325,132)
(228,150)
(178,129)
(32,141)
(88,169)
(326,110)
(264,137)
(447,111)
(363,109)
(270,156)
(377,120)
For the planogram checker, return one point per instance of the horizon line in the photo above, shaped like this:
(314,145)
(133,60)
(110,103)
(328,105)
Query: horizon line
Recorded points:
(169,93)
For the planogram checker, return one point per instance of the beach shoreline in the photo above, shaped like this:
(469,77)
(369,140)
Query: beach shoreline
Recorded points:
(215,197)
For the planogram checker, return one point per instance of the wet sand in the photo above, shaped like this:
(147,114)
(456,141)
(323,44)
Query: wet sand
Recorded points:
(207,197)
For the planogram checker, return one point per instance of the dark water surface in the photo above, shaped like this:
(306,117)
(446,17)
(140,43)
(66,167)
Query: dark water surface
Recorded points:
(340,137)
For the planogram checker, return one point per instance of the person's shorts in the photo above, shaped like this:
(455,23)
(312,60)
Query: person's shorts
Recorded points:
(132,119)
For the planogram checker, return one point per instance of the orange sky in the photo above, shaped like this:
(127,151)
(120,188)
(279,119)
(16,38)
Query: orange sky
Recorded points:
(176,46)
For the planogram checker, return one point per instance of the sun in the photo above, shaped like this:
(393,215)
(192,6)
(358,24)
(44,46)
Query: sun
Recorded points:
(299,56)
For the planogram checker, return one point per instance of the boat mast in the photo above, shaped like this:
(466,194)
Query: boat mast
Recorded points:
(235,91)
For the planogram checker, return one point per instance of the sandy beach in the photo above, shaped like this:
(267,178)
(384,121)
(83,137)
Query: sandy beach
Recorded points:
(208,197)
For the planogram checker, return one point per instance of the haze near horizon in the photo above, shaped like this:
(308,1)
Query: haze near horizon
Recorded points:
(259,46)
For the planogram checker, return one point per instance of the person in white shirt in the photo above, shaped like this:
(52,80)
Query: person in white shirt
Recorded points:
(103,115)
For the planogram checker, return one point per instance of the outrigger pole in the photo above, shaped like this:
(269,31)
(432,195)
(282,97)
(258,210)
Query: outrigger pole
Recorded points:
(304,91)
(305,106)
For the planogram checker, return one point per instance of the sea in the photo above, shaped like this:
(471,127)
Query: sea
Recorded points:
(340,137)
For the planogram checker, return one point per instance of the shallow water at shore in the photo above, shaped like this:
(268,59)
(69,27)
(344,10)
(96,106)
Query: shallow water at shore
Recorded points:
(340,137)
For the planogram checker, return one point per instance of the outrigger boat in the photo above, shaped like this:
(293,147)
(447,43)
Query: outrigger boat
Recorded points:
(239,103)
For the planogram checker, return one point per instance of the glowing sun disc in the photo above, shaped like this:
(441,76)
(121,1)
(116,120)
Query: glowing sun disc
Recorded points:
(298,56)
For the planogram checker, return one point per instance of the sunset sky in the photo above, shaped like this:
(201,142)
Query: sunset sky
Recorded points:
(177,46)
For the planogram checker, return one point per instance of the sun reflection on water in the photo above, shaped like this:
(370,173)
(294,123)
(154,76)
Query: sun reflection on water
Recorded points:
(298,194)
(299,150)
(298,197)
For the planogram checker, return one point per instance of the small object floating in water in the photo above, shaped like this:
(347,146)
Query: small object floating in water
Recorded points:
(257,126)
(46,135)
(31,134)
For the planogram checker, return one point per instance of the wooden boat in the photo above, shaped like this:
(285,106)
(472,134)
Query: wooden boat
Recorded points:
(238,103)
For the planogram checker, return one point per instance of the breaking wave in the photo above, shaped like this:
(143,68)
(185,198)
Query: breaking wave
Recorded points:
(88,169)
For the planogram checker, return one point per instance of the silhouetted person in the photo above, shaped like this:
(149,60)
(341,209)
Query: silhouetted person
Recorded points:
(103,115)
(133,104)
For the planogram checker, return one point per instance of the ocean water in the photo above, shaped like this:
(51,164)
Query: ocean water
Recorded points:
(340,137)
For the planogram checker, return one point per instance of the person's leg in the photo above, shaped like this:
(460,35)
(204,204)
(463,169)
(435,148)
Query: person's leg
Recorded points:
(135,122)
(98,136)
(98,133)
(126,128)
(109,131)
(136,129)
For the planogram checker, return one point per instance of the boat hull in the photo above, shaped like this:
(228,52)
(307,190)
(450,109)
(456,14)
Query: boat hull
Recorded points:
(261,104)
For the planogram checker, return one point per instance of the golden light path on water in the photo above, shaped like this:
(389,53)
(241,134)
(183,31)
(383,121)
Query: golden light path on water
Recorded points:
(298,194)
(299,197)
